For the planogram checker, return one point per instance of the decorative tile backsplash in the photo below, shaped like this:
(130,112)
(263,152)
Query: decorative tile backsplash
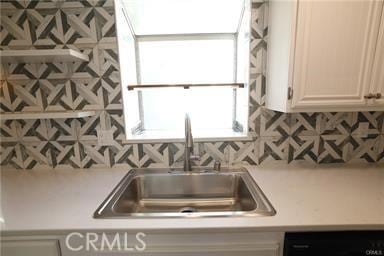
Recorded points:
(89,26)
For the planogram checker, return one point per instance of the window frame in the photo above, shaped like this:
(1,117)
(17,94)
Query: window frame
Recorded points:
(137,134)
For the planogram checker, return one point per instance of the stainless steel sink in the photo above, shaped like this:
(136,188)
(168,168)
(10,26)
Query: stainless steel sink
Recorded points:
(175,193)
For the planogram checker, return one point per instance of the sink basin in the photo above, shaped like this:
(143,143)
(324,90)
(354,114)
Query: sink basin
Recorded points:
(174,193)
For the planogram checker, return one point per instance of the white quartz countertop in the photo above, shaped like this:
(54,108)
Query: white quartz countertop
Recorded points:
(322,197)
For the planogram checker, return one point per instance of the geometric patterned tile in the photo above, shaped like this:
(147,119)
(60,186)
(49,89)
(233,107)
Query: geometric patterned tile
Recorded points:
(89,69)
(79,26)
(31,130)
(9,131)
(29,97)
(88,127)
(96,155)
(45,26)
(333,148)
(15,28)
(109,60)
(141,155)
(14,5)
(116,120)
(54,70)
(86,3)
(25,72)
(304,148)
(26,155)
(256,100)
(56,94)
(153,155)
(66,153)
(112,96)
(211,152)
(380,122)
(89,27)
(22,71)
(305,124)
(105,22)
(365,123)
(243,153)
(176,154)
(88,94)
(258,43)
(62,129)
(125,154)
(363,149)
(32,26)
(339,123)
(257,66)
(23,130)
(273,149)
(379,148)
(3,73)
(274,124)
(7,97)
(9,6)
(35,154)
(11,155)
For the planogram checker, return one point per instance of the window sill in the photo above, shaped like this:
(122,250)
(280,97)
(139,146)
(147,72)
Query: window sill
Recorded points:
(198,136)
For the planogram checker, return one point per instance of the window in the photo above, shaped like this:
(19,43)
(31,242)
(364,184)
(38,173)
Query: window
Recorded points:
(187,59)
(184,42)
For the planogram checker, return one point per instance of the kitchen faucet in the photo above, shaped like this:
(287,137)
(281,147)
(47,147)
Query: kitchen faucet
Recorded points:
(188,147)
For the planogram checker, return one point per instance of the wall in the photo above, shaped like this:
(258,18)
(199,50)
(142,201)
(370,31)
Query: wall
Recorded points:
(89,27)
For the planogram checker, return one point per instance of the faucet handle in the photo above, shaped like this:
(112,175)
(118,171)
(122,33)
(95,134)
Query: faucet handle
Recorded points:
(217,166)
(195,158)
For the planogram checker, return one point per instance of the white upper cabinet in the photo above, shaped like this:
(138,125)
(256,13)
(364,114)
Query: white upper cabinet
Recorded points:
(377,83)
(335,46)
(325,55)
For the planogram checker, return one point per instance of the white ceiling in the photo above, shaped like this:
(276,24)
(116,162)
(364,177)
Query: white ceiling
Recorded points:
(183,16)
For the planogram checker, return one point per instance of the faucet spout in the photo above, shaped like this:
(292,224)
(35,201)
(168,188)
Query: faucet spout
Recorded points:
(188,147)
(188,133)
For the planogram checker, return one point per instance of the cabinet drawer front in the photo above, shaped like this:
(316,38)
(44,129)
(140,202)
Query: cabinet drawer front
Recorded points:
(30,248)
(212,250)
(267,249)
(177,249)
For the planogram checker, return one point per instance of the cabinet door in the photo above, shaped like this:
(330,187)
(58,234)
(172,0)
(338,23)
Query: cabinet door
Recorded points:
(30,248)
(334,52)
(377,85)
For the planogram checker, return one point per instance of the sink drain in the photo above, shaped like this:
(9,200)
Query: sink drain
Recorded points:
(187,210)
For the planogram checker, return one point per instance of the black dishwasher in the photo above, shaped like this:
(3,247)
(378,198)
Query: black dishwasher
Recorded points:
(352,243)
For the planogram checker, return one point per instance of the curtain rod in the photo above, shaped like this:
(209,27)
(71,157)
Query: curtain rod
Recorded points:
(185,86)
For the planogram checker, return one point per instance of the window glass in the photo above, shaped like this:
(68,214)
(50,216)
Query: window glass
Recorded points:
(209,108)
(187,61)
(184,16)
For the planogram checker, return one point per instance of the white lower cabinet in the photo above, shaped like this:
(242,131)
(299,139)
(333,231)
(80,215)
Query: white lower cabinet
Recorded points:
(262,250)
(187,243)
(30,248)
(177,243)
